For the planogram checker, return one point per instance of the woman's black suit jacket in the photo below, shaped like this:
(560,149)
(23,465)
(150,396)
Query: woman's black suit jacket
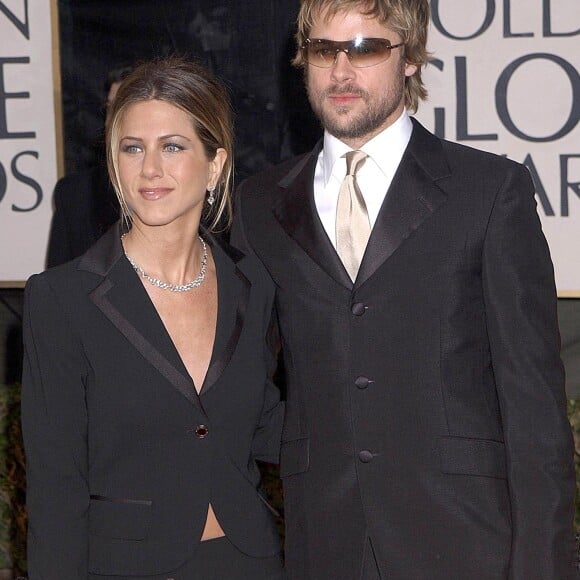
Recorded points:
(119,472)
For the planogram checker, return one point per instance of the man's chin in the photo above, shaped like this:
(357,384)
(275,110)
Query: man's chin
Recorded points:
(342,128)
(341,119)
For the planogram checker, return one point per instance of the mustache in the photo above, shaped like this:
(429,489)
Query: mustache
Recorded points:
(343,90)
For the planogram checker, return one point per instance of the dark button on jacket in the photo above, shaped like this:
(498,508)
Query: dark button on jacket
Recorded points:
(365,456)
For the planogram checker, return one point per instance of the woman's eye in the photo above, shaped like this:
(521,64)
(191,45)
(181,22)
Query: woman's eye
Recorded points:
(129,148)
(172,147)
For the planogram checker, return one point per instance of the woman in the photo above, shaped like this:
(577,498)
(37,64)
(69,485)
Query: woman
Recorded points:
(146,397)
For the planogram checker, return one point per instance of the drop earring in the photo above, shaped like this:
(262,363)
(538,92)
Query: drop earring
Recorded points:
(211,196)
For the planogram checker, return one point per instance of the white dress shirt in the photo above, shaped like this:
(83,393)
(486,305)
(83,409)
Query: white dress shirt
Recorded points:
(374,178)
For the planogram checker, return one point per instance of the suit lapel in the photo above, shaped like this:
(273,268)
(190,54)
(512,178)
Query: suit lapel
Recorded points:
(297,214)
(233,295)
(122,298)
(412,198)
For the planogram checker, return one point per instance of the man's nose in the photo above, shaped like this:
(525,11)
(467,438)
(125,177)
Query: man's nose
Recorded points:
(342,68)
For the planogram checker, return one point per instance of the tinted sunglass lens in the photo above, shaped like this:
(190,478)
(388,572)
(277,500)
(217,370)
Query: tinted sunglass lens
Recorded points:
(362,52)
(369,51)
(320,53)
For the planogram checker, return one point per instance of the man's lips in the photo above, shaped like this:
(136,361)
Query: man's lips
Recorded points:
(153,193)
(343,98)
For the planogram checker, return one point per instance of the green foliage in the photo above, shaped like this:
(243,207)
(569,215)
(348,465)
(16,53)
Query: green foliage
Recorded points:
(12,482)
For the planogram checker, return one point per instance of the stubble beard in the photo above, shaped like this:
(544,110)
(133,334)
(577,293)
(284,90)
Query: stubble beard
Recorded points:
(342,124)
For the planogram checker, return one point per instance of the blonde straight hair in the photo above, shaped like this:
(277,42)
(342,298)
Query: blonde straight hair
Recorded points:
(193,89)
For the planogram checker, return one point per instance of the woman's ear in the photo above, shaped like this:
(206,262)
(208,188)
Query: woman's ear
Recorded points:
(216,166)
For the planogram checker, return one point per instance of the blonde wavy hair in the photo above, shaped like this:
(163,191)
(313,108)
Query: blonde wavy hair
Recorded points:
(408,18)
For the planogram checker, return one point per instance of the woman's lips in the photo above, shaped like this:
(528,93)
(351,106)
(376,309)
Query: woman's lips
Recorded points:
(153,193)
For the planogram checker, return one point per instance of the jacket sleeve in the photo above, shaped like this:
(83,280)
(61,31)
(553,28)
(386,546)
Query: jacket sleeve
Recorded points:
(54,422)
(268,434)
(521,316)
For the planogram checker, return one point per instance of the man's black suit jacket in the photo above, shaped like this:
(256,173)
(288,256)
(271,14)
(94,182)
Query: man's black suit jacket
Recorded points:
(119,473)
(425,403)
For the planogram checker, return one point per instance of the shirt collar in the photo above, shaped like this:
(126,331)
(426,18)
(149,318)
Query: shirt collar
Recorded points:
(386,146)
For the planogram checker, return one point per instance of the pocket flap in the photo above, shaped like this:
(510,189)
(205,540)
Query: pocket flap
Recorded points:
(294,456)
(465,456)
(126,520)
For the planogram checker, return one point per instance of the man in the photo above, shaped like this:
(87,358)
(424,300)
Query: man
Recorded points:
(426,435)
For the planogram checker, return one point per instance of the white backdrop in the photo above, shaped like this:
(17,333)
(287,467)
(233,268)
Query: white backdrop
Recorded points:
(28,164)
(504,78)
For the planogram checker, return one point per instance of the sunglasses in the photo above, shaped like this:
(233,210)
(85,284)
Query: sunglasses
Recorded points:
(361,52)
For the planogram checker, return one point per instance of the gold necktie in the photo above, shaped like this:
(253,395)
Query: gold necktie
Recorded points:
(352,219)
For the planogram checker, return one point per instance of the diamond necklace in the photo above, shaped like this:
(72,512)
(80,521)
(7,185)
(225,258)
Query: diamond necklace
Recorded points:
(173,287)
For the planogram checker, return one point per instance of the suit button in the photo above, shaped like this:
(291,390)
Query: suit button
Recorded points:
(362,382)
(201,431)
(358,308)
(365,456)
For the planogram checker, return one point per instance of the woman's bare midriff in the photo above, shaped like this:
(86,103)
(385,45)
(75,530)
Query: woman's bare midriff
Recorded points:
(212,528)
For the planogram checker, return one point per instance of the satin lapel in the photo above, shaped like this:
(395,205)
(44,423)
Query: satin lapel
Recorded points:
(233,295)
(297,214)
(412,198)
(123,300)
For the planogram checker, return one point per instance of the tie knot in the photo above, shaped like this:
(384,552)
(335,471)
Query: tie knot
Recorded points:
(354,160)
